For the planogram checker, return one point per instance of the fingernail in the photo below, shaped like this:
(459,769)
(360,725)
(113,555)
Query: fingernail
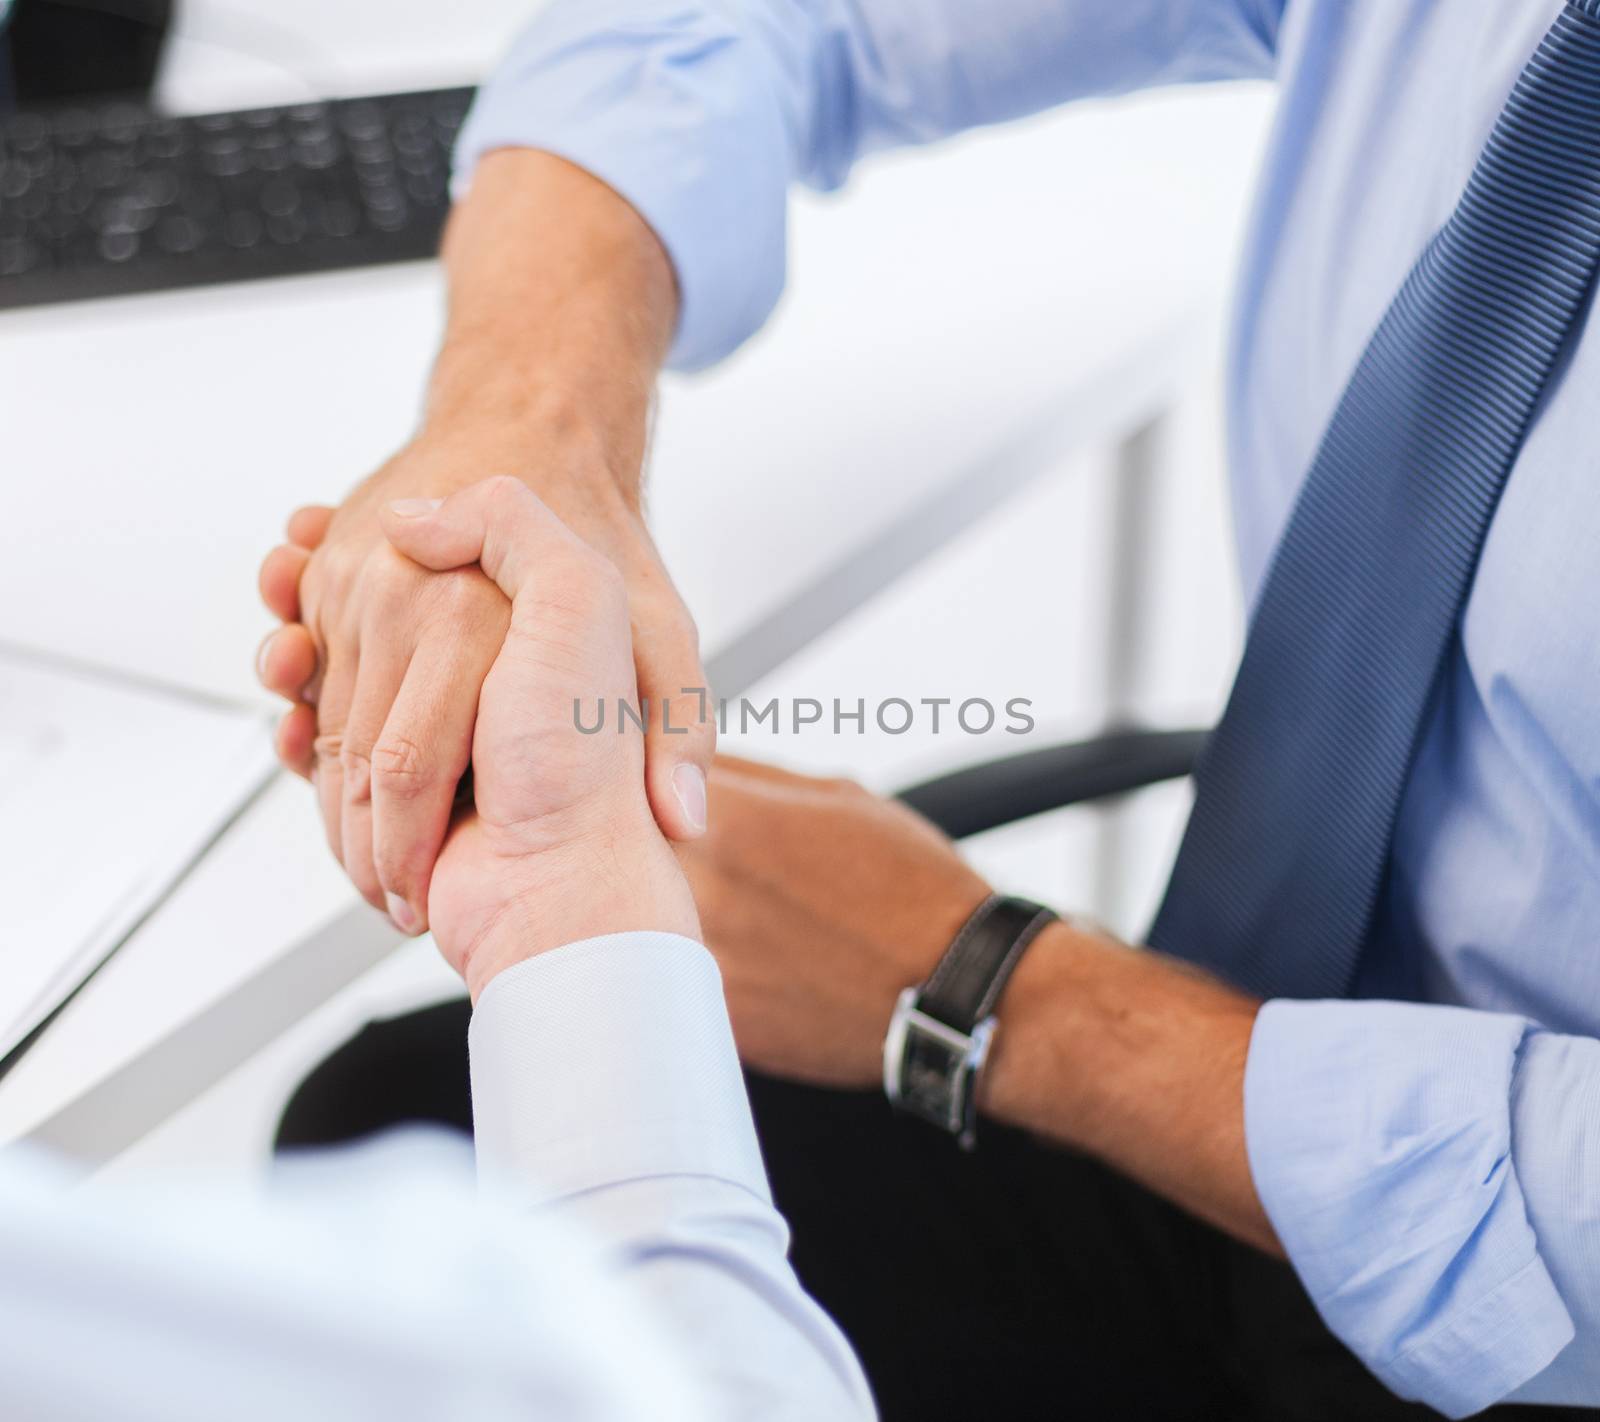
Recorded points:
(689,785)
(405,918)
(261,656)
(414,508)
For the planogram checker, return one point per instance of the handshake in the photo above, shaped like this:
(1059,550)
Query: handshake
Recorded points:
(559,842)
(423,637)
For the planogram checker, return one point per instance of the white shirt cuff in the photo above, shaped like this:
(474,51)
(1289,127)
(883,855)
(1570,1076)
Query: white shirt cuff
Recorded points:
(609,1060)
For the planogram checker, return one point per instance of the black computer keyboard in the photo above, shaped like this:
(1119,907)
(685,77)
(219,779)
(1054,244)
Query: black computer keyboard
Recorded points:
(117,200)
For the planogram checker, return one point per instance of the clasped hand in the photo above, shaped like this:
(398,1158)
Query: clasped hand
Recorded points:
(819,900)
(559,842)
(383,660)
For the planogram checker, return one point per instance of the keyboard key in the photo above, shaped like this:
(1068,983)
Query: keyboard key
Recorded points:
(156,188)
(119,246)
(363,121)
(104,168)
(279,198)
(316,153)
(178,235)
(425,190)
(74,128)
(340,218)
(225,162)
(270,160)
(122,123)
(163,147)
(241,230)
(122,215)
(286,228)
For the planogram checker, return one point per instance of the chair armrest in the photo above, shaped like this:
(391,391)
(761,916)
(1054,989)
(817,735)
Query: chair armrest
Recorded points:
(1000,792)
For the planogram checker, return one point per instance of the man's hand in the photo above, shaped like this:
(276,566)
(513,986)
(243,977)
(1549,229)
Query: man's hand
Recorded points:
(559,843)
(821,902)
(562,305)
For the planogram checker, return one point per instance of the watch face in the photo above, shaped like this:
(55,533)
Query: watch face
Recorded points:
(934,1082)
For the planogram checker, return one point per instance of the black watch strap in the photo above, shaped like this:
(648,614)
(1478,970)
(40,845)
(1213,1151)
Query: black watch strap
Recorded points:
(938,1038)
(974,971)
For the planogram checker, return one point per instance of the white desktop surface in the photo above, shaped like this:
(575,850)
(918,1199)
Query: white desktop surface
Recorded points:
(947,308)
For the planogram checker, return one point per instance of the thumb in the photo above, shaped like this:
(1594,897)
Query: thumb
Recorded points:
(499,524)
(682,729)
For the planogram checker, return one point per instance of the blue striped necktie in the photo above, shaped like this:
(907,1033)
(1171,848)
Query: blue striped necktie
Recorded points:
(1297,793)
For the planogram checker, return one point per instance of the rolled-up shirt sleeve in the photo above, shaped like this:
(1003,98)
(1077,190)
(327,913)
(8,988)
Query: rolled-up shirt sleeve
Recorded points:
(701,113)
(1434,1175)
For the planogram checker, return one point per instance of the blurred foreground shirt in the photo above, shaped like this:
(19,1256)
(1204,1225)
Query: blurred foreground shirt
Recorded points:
(1431,1161)
(624,1262)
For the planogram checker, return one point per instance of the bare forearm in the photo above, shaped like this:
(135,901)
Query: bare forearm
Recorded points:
(1137,1060)
(562,306)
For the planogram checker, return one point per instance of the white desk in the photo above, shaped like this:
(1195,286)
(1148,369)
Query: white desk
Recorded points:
(955,327)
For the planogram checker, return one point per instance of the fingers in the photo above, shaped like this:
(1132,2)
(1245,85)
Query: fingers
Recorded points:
(392,743)
(378,681)
(327,771)
(287,661)
(279,580)
(308,526)
(296,731)
(417,762)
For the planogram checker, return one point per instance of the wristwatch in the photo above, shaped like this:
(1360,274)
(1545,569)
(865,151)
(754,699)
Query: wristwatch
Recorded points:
(940,1033)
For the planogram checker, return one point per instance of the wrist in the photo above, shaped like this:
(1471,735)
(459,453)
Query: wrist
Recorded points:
(582,890)
(1136,1060)
(546,435)
(1036,1046)
(1095,1036)
(562,306)
(539,429)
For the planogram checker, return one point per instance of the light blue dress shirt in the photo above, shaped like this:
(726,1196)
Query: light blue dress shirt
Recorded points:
(624,1260)
(1430,1152)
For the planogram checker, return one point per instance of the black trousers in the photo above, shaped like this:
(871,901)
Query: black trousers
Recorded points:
(1017,1282)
